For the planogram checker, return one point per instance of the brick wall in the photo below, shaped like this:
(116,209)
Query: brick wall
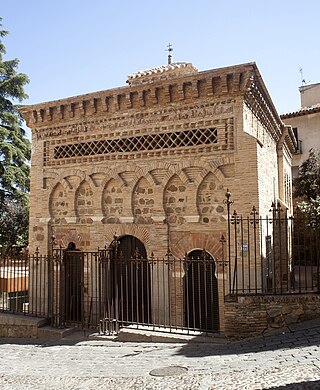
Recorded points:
(85,190)
(153,160)
(252,316)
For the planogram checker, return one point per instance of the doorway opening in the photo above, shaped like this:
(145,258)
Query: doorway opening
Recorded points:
(72,284)
(133,281)
(201,292)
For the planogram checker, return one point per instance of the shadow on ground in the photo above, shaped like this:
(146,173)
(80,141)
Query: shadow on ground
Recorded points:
(300,335)
(312,385)
(72,339)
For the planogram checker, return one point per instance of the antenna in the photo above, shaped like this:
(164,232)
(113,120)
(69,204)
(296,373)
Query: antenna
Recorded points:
(303,80)
(169,50)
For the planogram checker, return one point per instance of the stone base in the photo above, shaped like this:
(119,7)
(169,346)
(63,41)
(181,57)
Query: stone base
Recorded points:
(249,316)
(19,326)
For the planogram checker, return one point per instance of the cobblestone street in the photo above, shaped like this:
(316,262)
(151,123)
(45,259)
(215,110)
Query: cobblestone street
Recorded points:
(287,360)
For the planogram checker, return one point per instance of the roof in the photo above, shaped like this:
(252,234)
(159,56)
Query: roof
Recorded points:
(250,66)
(242,80)
(161,72)
(303,111)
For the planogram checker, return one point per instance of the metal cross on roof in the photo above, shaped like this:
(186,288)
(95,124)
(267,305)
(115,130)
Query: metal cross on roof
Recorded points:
(169,50)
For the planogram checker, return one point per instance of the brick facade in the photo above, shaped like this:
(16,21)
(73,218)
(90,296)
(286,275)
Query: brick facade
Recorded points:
(154,159)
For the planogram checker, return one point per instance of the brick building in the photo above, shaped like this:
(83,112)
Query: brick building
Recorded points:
(151,162)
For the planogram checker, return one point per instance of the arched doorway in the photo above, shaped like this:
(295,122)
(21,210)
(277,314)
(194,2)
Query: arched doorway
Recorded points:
(133,281)
(201,292)
(72,284)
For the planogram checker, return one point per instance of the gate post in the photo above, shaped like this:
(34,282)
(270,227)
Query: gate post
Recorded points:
(223,263)
(229,202)
(115,288)
(51,256)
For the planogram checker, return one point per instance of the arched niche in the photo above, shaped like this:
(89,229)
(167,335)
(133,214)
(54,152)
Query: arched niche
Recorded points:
(112,201)
(175,201)
(143,201)
(210,197)
(84,204)
(58,204)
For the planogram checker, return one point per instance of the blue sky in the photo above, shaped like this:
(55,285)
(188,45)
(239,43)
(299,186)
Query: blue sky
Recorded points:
(70,47)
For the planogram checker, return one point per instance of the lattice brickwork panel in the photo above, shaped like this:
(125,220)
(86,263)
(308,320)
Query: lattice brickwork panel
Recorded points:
(142,143)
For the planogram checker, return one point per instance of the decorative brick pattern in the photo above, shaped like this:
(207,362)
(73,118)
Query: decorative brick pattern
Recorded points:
(143,201)
(211,195)
(154,159)
(175,201)
(59,206)
(112,201)
(160,141)
(84,201)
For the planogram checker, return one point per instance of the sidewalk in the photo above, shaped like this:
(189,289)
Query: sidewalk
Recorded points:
(289,359)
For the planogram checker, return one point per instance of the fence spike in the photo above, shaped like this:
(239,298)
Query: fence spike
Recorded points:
(228,201)
(222,238)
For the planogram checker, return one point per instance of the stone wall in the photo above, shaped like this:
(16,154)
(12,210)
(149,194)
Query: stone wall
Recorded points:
(252,316)
(13,325)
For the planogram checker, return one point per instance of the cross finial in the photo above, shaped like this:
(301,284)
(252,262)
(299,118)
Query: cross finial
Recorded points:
(169,50)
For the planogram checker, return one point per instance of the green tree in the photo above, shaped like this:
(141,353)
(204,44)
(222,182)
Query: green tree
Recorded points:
(307,185)
(14,222)
(14,145)
(14,154)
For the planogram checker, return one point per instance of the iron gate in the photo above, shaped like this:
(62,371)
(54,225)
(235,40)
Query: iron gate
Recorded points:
(120,286)
(277,253)
(159,293)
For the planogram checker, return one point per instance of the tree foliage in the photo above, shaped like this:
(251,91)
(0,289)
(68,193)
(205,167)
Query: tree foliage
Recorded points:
(14,145)
(14,154)
(14,221)
(307,185)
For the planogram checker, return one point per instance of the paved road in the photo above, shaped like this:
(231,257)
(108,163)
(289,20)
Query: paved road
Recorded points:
(288,360)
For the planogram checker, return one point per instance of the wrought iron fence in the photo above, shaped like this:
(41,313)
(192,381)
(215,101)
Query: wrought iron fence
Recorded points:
(169,293)
(273,254)
(20,274)
(104,289)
